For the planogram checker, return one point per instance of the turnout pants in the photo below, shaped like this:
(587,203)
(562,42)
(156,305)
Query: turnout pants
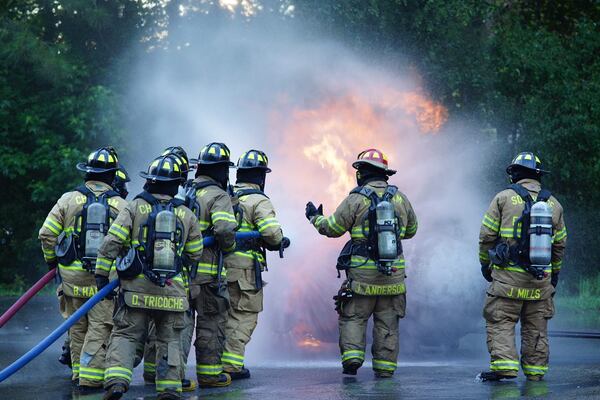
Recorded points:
(211,317)
(243,318)
(131,327)
(147,349)
(501,315)
(89,339)
(386,312)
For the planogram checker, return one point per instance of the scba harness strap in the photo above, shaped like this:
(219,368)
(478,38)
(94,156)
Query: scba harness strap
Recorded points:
(502,254)
(252,244)
(72,247)
(148,236)
(191,201)
(367,250)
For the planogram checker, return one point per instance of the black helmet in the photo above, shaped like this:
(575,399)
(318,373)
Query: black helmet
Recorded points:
(164,169)
(122,175)
(181,154)
(214,153)
(101,160)
(254,159)
(528,161)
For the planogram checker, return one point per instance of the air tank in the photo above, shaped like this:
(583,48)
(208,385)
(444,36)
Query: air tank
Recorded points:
(94,229)
(165,227)
(540,234)
(387,240)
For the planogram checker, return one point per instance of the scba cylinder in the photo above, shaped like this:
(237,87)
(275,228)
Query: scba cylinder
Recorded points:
(540,234)
(164,244)
(94,235)
(387,240)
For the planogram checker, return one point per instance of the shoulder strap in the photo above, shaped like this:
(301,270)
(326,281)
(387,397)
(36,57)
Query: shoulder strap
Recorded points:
(177,202)
(390,192)
(247,192)
(521,191)
(363,190)
(544,195)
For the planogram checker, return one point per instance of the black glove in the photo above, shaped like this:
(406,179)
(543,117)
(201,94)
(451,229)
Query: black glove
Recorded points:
(285,243)
(486,271)
(554,279)
(52,264)
(312,211)
(101,281)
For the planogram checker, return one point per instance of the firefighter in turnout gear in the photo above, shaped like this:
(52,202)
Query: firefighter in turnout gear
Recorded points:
(377,216)
(521,246)
(208,198)
(153,235)
(254,212)
(70,236)
(147,349)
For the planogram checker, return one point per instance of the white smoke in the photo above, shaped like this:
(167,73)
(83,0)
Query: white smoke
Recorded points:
(243,84)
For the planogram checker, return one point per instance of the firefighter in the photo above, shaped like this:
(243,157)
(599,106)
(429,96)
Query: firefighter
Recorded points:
(162,232)
(373,261)
(208,198)
(520,290)
(147,349)
(254,212)
(68,228)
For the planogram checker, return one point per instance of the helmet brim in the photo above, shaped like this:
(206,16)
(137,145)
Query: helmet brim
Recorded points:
(538,170)
(151,177)
(196,162)
(389,172)
(83,167)
(266,169)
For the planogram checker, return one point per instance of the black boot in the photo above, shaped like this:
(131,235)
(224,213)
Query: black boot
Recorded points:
(115,392)
(244,373)
(495,376)
(351,366)
(169,395)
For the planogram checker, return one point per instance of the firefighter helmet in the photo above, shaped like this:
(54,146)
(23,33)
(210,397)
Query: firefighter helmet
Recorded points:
(526,160)
(254,159)
(180,153)
(164,169)
(100,160)
(122,175)
(374,158)
(214,153)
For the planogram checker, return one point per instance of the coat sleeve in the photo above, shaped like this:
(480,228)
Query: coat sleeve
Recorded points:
(193,246)
(224,222)
(411,219)
(559,242)
(267,223)
(337,223)
(490,228)
(53,226)
(119,236)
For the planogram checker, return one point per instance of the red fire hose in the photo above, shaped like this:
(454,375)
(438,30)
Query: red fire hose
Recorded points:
(39,285)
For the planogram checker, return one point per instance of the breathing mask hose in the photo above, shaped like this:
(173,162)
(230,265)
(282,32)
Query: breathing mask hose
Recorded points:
(91,302)
(39,285)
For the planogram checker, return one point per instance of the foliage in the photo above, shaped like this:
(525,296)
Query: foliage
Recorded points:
(526,72)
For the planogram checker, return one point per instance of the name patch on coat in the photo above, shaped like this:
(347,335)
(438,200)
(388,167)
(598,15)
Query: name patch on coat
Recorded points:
(366,289)
(83,292)
(156,302)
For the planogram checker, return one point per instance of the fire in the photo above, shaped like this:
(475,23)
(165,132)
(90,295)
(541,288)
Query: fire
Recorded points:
(319,140)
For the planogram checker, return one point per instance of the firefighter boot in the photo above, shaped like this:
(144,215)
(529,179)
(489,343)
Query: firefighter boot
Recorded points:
(244,373)
(188,385)
(496,375)
(383,374)
(115,392)
(535,378)
(351,366)
(209,381)
(169,395)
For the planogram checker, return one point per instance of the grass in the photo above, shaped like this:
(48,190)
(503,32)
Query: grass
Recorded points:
(580,310)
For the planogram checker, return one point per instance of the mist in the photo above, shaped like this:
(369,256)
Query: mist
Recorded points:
(312,106)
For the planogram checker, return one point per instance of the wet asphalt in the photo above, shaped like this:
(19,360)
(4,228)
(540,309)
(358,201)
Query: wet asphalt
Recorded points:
(427,373)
